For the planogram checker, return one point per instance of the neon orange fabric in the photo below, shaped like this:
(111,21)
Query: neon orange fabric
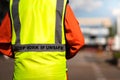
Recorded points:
(74,36)
(5,30)
(5,36)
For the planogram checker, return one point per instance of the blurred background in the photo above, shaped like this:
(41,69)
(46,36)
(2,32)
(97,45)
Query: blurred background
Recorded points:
(99,21)
(99,59)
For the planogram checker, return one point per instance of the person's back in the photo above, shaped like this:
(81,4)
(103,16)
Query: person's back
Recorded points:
(45,33)
(38,39)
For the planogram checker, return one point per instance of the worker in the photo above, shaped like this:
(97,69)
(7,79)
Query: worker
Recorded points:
(45,33)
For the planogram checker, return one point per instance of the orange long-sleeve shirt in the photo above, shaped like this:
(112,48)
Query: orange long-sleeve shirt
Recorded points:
(74,37)
(5,36)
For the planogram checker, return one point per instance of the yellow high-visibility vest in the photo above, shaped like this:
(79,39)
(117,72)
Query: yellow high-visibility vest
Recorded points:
(38,39)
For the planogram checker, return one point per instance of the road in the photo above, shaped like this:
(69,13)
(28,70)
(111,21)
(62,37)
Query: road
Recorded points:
(86,65)
(93,65)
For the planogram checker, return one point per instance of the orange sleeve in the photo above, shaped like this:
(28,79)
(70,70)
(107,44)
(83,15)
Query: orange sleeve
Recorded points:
(74,36)
(5,30)
(5,36)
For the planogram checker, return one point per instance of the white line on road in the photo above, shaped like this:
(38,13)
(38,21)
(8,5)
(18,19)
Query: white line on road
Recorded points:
(98,73)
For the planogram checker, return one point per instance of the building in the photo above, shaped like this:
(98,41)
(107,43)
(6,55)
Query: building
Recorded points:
(95,30)
(95,21)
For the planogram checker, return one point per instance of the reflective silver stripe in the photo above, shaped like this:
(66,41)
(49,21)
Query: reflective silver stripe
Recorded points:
(39,47)
(15,14)
(59,11)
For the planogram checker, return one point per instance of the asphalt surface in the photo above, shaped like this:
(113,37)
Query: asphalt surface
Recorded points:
(6,68)
(86,65)
(93,65)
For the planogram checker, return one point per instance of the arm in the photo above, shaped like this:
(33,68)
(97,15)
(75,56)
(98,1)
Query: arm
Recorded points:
(74,36)
(5,36)
(5,29)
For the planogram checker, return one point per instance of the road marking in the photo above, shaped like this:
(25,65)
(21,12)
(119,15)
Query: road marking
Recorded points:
(89,58)
(98,73)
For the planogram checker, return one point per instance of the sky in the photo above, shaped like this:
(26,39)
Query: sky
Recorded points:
(95,8)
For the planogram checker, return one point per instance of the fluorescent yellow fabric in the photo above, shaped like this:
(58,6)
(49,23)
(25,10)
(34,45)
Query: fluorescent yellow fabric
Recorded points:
(33,16)
(37,19)
(40,66)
